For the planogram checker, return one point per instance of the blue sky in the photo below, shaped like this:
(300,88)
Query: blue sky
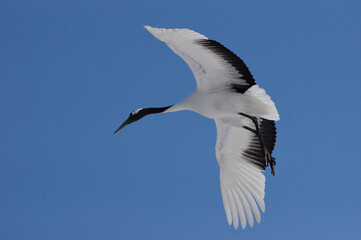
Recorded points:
(71,71)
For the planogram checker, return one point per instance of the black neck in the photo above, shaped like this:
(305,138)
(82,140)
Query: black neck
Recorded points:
(145,111)
(154,110)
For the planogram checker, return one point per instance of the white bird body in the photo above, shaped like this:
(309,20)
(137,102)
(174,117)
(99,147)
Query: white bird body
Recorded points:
(244,115)
(224,104)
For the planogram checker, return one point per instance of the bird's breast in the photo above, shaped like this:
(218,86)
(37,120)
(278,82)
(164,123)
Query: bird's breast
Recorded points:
(208,105)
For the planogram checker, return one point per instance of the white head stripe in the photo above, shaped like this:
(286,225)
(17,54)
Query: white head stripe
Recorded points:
(136,111)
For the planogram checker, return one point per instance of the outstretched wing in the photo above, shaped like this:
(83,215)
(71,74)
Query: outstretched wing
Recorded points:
(213,65)
(241,161)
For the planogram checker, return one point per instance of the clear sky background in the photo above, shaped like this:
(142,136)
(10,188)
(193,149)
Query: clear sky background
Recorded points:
(71,71)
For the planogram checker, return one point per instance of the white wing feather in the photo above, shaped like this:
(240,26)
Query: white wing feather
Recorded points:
(242,182)
(209,69)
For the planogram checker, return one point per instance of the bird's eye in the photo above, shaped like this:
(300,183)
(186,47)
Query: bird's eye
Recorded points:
(136,111)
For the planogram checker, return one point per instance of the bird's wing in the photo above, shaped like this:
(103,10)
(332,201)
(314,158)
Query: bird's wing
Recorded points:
(213,65)
(241,161)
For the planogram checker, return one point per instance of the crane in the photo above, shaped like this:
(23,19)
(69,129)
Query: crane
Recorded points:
(244,115)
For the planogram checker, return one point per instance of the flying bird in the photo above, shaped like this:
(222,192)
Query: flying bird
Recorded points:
(244,115)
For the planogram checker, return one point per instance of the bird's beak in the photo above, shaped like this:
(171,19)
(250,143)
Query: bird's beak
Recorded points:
(123,125)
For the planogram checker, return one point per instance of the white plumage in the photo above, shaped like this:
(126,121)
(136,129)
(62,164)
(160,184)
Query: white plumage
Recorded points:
(244,115)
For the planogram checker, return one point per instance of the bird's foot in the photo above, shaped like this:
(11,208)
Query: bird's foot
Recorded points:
(270,160)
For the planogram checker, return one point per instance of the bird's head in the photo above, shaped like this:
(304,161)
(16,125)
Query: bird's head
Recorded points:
(140,113)
(133,117)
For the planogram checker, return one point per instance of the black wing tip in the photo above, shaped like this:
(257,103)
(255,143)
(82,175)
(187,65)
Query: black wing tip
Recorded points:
(255,153)
(268,133)
(232,59)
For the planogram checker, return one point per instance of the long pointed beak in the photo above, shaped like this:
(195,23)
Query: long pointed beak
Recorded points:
(121,126)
